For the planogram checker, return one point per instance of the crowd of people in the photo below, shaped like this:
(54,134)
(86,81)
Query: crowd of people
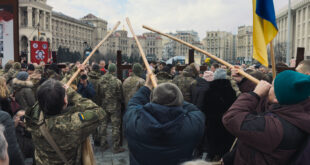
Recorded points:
(216,115)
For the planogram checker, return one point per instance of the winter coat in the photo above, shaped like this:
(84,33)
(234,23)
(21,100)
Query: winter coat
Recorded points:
(219,98)
(24,95)
(186,82)
(15,155)
(94,78)
(5,105)
(268,134)
(199,93)
(158,134)
(86,92)
(130,86)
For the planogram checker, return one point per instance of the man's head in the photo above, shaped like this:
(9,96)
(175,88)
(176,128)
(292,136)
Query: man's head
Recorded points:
(24,67)
(214,66)
(161,66)
(4,157)
(31,69)
(52,97)
(291,87)
(95,68)
(102,63)
(112,68)
(263,69)
(304,67)
(167,94)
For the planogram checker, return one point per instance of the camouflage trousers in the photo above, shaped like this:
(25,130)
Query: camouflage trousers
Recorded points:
(101,134)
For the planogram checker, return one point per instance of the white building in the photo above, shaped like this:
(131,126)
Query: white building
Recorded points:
(299,30)
(245,45)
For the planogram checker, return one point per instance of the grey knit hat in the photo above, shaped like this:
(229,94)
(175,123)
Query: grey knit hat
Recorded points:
(22,76)
(220,74)
(167,94)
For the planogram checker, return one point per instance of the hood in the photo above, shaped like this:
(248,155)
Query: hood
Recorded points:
(297,114)
(163,76)
(94,75)
(163,119)
(18,84)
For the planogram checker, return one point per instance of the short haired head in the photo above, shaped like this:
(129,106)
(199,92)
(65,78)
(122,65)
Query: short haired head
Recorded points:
(96,68)
(304,67)
(167,94)
(31,67)
(51,97)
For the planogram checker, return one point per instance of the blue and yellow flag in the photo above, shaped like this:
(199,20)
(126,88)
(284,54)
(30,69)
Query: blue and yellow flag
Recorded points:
(264,29)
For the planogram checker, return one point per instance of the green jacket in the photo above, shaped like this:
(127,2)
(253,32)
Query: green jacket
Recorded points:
(95,78)
(130,86)
(67,129)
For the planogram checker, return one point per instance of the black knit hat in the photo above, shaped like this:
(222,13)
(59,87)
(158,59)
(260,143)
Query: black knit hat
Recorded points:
(31,67)
(167,94)
(96,68)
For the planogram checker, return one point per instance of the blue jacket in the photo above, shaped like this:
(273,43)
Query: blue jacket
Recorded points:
(161,135)
(86,92)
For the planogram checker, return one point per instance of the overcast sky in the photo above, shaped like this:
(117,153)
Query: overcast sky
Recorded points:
(166,15)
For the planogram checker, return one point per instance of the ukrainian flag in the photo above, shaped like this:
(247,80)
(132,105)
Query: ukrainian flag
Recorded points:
(264,29)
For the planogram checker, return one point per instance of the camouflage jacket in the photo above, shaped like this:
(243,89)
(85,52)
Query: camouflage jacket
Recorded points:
(186,81)
(95,78)
(111,92)
(67,130)
(131,86)
(163,77)
(35,78)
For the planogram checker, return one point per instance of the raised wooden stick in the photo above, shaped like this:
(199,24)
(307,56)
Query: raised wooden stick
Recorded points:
(273,62)
(92,53)
(87,150)
(142,54)
(241,72)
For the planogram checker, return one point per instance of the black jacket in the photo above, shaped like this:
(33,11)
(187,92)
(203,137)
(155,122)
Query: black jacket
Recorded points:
(219,98)
(14,152)
(199,93)
(161,135)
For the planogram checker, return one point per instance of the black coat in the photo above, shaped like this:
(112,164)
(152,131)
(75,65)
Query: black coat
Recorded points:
(161,135)
(5,105)
(219,98)
(15,155)
(199,93)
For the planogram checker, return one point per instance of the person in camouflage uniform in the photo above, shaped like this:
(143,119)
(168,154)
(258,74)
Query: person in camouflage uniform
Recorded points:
(12,72)
(111,90)
(187,80)
(133,83)
(94,77)
(62,113)
(164,75)
(7,67)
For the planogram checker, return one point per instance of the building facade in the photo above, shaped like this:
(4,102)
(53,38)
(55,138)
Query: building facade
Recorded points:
(220,44)
(299,30)
(244,45)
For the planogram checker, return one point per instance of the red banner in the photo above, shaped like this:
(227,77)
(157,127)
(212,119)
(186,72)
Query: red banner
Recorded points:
(39,51)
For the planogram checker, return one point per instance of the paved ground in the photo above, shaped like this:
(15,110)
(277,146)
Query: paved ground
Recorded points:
(106,157)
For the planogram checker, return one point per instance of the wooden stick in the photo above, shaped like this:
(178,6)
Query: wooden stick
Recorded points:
(142,54)
(92,53)
(273,62)
(87,150)
(241,72)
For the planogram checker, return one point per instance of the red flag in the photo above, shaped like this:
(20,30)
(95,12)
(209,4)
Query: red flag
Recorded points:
(39,51)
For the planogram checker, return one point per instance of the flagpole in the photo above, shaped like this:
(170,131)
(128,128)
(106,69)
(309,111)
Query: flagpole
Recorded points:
(273,62)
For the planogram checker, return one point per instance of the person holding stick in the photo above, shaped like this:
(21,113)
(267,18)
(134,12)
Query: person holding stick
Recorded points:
(271,122)
(160,127)
(70,119)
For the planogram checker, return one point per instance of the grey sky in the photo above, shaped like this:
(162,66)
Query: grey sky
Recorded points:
(166,15)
